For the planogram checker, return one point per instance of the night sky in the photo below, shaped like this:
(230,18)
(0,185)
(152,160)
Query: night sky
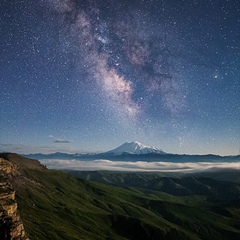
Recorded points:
(87,76)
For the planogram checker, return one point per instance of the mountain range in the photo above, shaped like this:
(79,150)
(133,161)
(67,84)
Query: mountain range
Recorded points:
(135,151)
(127,148)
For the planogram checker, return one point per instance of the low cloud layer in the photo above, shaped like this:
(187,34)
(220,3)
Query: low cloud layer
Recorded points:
(61,141)
(137,166)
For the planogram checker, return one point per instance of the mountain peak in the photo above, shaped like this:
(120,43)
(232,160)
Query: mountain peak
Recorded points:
(135,148)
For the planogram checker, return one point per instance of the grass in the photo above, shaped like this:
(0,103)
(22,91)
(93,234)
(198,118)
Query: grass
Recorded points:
(63,207)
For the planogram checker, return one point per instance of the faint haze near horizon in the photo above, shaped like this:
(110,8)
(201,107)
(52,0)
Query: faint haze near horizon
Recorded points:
(26,149)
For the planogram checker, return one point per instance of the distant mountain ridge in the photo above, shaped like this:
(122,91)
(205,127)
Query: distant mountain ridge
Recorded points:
(136,151)
(127,148)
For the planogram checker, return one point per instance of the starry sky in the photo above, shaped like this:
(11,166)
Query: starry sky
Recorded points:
(89,75)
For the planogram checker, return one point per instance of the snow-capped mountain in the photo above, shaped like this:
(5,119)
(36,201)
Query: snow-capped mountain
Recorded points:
(135,148)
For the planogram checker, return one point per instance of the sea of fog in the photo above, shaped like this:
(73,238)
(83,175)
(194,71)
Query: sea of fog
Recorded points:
(102,164)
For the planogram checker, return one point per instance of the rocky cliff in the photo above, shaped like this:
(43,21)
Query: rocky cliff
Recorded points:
(11,226)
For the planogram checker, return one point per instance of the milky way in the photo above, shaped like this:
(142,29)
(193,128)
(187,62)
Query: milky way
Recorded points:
(123,56)
(94,74)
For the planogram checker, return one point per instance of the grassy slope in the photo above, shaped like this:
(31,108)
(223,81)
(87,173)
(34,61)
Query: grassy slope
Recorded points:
(66,208)
(55,205)
(176,184)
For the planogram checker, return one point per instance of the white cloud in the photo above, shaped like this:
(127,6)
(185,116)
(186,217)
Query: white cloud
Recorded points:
(102,164)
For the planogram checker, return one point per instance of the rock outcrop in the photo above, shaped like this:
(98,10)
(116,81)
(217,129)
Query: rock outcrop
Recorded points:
(11,226)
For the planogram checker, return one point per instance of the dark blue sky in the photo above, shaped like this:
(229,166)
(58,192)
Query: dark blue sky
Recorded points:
(89,75)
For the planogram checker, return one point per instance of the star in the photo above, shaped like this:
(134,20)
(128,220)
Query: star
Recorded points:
(95,74)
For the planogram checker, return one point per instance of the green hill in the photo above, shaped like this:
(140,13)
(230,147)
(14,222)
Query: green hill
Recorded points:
(55,205)
(221,184)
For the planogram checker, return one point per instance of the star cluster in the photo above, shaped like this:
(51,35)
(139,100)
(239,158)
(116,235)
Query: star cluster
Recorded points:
(96,73)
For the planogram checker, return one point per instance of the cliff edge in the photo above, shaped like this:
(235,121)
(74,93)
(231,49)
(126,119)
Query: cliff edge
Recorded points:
(11,226)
